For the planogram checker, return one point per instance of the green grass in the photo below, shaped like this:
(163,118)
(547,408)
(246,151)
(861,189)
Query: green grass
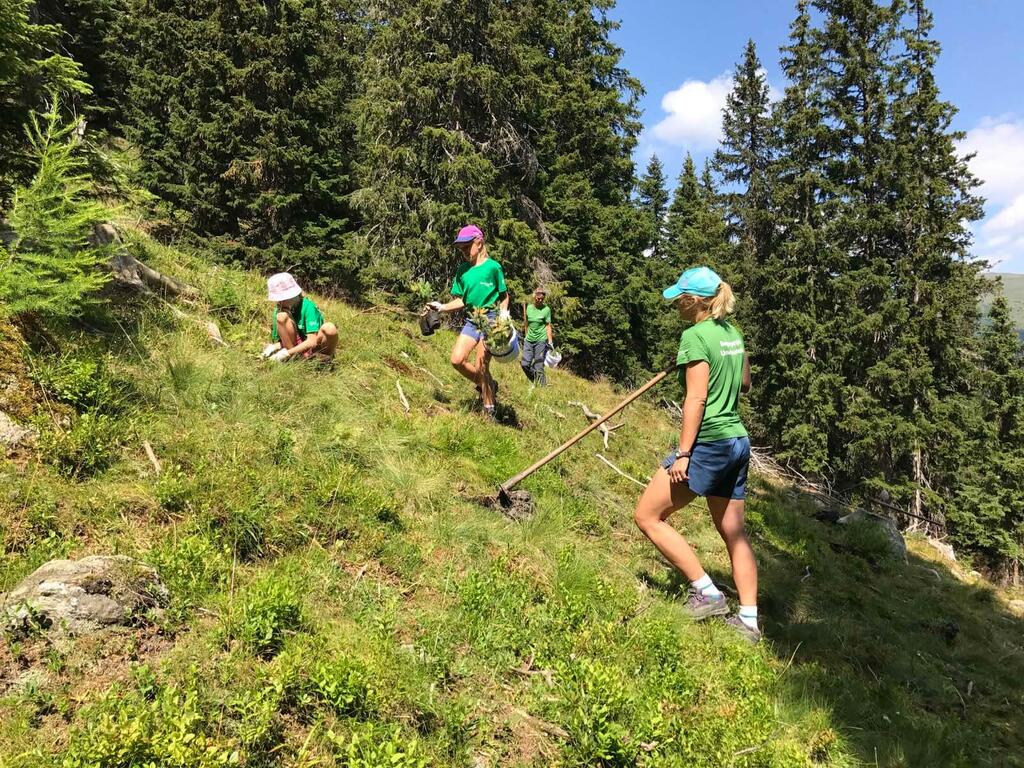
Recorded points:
(338,598)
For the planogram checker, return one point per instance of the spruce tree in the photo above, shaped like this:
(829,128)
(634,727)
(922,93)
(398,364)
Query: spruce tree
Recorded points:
(797,393)
(743,158)
(986,518)
(92,32)
(51,268)
(652,199)
(241,110)
(32,69)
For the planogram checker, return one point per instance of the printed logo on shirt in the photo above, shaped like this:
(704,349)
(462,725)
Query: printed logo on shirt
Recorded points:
(728,348)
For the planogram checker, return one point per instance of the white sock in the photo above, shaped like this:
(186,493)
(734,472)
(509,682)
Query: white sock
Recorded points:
(706,586)
(748,615)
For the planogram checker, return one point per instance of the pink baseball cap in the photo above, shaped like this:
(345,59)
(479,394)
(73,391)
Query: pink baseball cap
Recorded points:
(468,234)
(281,287)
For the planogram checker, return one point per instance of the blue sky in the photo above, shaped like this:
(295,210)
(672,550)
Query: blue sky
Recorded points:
(683,51)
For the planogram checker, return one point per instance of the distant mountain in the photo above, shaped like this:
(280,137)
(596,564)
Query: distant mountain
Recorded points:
(1013,287)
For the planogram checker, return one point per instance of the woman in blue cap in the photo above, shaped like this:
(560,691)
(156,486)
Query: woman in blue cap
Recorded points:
(713,451)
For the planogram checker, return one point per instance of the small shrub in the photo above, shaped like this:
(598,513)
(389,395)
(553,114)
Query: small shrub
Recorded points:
(87,448)
(228,300)
(174,490)
(169,728)
(191,568)
(375,747)
(270,610)
(343,687)
(599,701)
(240,529)
(86,384)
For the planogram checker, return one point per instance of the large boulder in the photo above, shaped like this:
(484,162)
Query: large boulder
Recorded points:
(82,596)
(897,545)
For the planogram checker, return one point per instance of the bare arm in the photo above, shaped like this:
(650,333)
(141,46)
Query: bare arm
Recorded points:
(745,384)
(551,338)
(697,375)
(311,343)
(454,304)
(504,301)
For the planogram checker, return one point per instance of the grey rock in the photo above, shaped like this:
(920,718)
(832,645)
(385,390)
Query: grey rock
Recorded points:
(897,545)
(82,596)
(944,549)
(13,434)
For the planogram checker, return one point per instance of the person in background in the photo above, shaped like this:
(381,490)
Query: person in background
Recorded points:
(479,284)
(298,329)
(539,338)
(713,450)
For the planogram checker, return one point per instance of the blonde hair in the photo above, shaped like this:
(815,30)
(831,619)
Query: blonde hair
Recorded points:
(723,302)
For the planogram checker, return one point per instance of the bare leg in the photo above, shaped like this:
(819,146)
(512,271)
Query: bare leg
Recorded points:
(483,364)
(460,358)
(287,334)
(661,498)
(327,340)
(728,517)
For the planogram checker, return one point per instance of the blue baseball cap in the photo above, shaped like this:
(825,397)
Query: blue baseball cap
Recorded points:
(698,281)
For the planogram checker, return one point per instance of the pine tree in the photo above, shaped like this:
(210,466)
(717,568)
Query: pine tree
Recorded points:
(92,33)
(51,268)
(987,516)
(32,69)
(743,158)
(797,394)
(652,199)
(241,109)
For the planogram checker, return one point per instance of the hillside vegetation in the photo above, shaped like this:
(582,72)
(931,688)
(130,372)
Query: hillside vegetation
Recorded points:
(337,597)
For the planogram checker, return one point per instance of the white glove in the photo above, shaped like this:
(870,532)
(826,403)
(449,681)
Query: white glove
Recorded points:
(436,305)
(269,350)
(281,356)
(504,315)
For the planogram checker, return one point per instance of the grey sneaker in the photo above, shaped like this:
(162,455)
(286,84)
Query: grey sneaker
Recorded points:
(749,634)
(700,607)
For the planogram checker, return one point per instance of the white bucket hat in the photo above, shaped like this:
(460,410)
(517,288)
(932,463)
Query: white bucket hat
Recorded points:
(281,287)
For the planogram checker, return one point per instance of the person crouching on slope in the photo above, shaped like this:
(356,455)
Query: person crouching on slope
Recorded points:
(298,329)
(713,452)
(479,284)
(539,338)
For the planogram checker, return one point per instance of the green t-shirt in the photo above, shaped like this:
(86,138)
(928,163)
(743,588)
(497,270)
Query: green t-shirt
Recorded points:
(306,316)
(537,321)
(720,344)
(481,286)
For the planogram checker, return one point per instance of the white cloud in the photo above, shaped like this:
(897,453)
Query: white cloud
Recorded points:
(998,144)
(694,113)
(693,117)
(999,161)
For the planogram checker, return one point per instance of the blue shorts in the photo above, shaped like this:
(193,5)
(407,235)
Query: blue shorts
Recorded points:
(468,329)
(718,468)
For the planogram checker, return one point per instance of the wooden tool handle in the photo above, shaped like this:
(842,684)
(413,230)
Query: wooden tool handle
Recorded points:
(512,482)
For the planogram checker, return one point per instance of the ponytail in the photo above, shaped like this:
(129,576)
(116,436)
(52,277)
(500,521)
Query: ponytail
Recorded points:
(723,303)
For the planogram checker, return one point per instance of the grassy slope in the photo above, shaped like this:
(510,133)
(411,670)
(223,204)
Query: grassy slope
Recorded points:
(337,596)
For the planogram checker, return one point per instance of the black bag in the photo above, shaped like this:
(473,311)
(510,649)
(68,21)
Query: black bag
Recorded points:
(430,321)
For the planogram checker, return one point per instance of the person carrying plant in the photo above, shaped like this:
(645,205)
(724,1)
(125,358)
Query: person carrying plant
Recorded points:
(479,284)
(539,338)
(298,329)
(713,450)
